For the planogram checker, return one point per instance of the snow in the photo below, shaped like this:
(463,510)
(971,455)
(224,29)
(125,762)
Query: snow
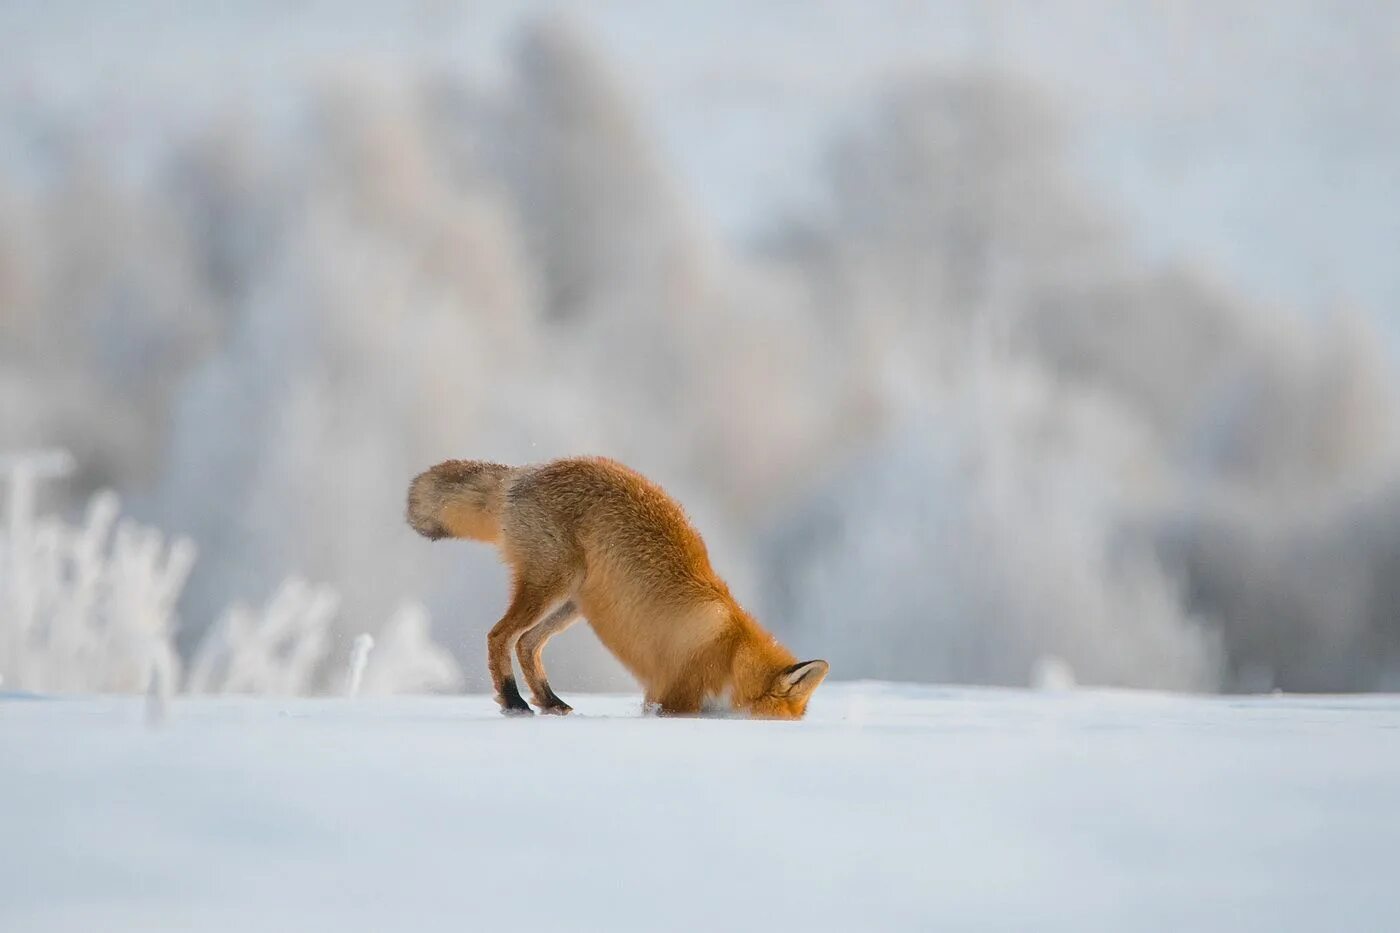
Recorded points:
(890,807)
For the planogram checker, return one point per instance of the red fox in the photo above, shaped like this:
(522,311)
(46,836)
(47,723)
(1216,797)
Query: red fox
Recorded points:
(589,537)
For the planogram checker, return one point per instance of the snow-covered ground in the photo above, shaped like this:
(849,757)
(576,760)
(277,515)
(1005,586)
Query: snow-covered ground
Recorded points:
(891,807)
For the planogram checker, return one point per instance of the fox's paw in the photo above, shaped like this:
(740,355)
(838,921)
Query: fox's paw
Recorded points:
(512,703)
(548,701)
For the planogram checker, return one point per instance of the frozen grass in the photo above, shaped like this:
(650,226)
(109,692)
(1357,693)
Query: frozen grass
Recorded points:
(891,807)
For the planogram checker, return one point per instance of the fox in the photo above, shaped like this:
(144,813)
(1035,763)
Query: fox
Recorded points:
(587,537)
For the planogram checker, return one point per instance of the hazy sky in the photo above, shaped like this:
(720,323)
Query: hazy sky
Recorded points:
(1258,137)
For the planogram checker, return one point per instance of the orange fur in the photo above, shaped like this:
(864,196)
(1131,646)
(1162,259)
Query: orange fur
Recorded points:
(590,537)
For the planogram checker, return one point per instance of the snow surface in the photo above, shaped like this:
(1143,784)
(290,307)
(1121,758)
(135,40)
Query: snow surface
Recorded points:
(891,807)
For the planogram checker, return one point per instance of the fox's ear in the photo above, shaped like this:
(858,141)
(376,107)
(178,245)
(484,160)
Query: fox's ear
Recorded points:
(800,679)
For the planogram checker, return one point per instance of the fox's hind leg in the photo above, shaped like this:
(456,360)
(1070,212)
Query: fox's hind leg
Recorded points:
(528,604)
(530,650)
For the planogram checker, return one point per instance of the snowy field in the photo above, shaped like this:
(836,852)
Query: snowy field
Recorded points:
(891,807)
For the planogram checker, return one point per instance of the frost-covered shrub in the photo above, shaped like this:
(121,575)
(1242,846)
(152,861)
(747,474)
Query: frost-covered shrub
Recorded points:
(91,608)
(285,649)
(405,659)
(277,650)
(85,608)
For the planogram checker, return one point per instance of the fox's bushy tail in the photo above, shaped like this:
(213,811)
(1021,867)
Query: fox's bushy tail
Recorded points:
(459,499)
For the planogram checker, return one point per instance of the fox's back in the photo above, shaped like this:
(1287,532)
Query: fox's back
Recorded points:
(616,522)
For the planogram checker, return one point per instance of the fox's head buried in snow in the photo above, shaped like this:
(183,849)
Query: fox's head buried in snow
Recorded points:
(787,693)
(589,538)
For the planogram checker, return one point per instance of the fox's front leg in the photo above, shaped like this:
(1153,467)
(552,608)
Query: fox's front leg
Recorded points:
(678,700)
